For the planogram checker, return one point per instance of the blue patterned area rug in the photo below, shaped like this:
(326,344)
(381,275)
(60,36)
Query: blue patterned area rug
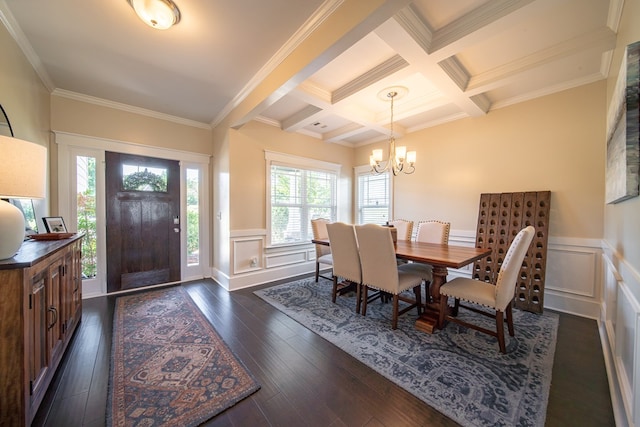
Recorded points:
(458,371)
(169,367)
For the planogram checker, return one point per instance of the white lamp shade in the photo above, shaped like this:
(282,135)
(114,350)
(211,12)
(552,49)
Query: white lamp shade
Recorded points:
(23,169)
(377,155)
(401,153)
(411,157)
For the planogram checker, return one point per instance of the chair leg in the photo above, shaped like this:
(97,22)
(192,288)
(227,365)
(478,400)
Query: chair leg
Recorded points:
(317,271)
(418,293)
(365,297)
(358,297)
(444,305)
(510,320)
(394,321)
(334,292)
(456,307)
(427,293)
(500,330)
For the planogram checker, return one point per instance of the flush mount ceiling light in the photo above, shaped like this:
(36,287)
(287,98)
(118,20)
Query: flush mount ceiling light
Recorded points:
(160,14)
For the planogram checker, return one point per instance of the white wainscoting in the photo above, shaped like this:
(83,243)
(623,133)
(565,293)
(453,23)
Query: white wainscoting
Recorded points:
(573,281)
(253,263)
(620,333)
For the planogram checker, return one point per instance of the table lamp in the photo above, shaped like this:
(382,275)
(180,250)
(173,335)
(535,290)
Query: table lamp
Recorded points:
(23,167)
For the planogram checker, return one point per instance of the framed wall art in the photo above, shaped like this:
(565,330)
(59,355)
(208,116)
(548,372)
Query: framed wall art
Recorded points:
(623,136)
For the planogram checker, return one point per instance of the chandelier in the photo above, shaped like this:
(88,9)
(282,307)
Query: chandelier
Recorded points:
(399,160)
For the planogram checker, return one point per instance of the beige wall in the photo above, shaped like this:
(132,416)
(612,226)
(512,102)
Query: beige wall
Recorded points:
(550,143)
(621,224)
(248,170)
(22,94)
(74,116)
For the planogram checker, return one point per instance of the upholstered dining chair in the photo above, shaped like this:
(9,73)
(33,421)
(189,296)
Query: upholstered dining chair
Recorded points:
(346,258)
(431,231)
(404,227)
(380,270)
(323,252)
(498,298)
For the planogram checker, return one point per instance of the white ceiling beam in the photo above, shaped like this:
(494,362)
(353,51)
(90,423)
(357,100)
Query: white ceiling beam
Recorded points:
(602,39)
(410,49)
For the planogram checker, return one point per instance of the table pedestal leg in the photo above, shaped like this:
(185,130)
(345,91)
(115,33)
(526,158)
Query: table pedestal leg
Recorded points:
(429,320)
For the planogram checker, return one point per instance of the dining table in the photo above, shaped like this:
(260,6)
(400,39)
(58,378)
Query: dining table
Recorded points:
(441,257)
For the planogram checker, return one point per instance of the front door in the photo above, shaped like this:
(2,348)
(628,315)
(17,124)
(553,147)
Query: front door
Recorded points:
(143,214)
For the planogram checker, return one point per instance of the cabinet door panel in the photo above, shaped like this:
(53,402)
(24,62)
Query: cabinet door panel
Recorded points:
(38,360)
(54,312)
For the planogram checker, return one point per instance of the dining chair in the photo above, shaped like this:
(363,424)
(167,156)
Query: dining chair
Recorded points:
(380,270)
(323,252)
(346,258)
(431,231)
(404,227)
(498,297)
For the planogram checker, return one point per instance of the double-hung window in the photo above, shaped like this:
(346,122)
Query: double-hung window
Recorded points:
(298,190)
(373,196)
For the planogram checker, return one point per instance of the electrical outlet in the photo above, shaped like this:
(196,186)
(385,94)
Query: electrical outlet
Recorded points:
(254,261)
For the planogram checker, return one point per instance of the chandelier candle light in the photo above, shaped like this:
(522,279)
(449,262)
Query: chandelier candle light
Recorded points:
(399,160)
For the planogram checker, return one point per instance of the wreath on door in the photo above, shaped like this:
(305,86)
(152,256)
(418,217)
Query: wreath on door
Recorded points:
(145,181)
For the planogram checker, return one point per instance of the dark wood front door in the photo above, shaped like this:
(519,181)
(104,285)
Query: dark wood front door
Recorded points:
(143,230)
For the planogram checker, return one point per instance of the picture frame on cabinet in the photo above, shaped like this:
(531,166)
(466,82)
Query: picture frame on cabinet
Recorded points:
(54,224)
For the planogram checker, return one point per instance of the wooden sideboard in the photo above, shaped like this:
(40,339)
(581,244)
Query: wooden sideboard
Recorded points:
(40,307)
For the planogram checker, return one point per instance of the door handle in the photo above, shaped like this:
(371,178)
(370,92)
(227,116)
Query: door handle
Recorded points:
(55,317)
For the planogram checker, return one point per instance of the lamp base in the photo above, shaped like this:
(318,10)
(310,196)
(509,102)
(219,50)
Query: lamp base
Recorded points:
(11,230)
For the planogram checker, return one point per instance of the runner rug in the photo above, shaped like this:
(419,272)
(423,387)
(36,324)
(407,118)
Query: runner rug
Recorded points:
(169,366)
(458,371)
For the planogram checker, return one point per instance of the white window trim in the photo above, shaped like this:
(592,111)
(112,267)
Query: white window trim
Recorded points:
(362,170)
(275,158)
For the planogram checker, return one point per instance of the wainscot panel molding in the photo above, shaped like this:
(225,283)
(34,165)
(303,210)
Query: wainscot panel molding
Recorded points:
(253,263)
(619,325)
(574,277)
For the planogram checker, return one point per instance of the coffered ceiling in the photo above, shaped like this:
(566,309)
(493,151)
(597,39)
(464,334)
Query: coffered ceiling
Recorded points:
(455,58)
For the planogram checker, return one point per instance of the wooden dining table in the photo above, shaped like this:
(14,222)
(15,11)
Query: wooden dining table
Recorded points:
(440,257)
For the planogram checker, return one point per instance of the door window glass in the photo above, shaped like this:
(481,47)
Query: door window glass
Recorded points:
(193,216)
(86,213)
(144,178)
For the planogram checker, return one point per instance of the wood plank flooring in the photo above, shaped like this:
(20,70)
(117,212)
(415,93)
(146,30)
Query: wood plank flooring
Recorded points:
(306,381)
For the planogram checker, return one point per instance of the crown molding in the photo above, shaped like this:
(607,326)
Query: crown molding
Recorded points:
(10,23)
(128,108)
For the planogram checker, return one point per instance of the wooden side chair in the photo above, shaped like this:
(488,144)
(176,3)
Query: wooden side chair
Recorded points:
(346,258)
(404,227)
(323,253)
(498,298)
(380,270)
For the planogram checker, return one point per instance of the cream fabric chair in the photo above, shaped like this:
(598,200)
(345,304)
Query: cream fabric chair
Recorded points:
(323,253)
(498,298)
(346,259)
(432,231)
(380,271)
(404,227)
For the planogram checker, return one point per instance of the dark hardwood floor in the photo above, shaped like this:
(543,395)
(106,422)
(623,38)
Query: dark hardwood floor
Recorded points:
(306,381)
